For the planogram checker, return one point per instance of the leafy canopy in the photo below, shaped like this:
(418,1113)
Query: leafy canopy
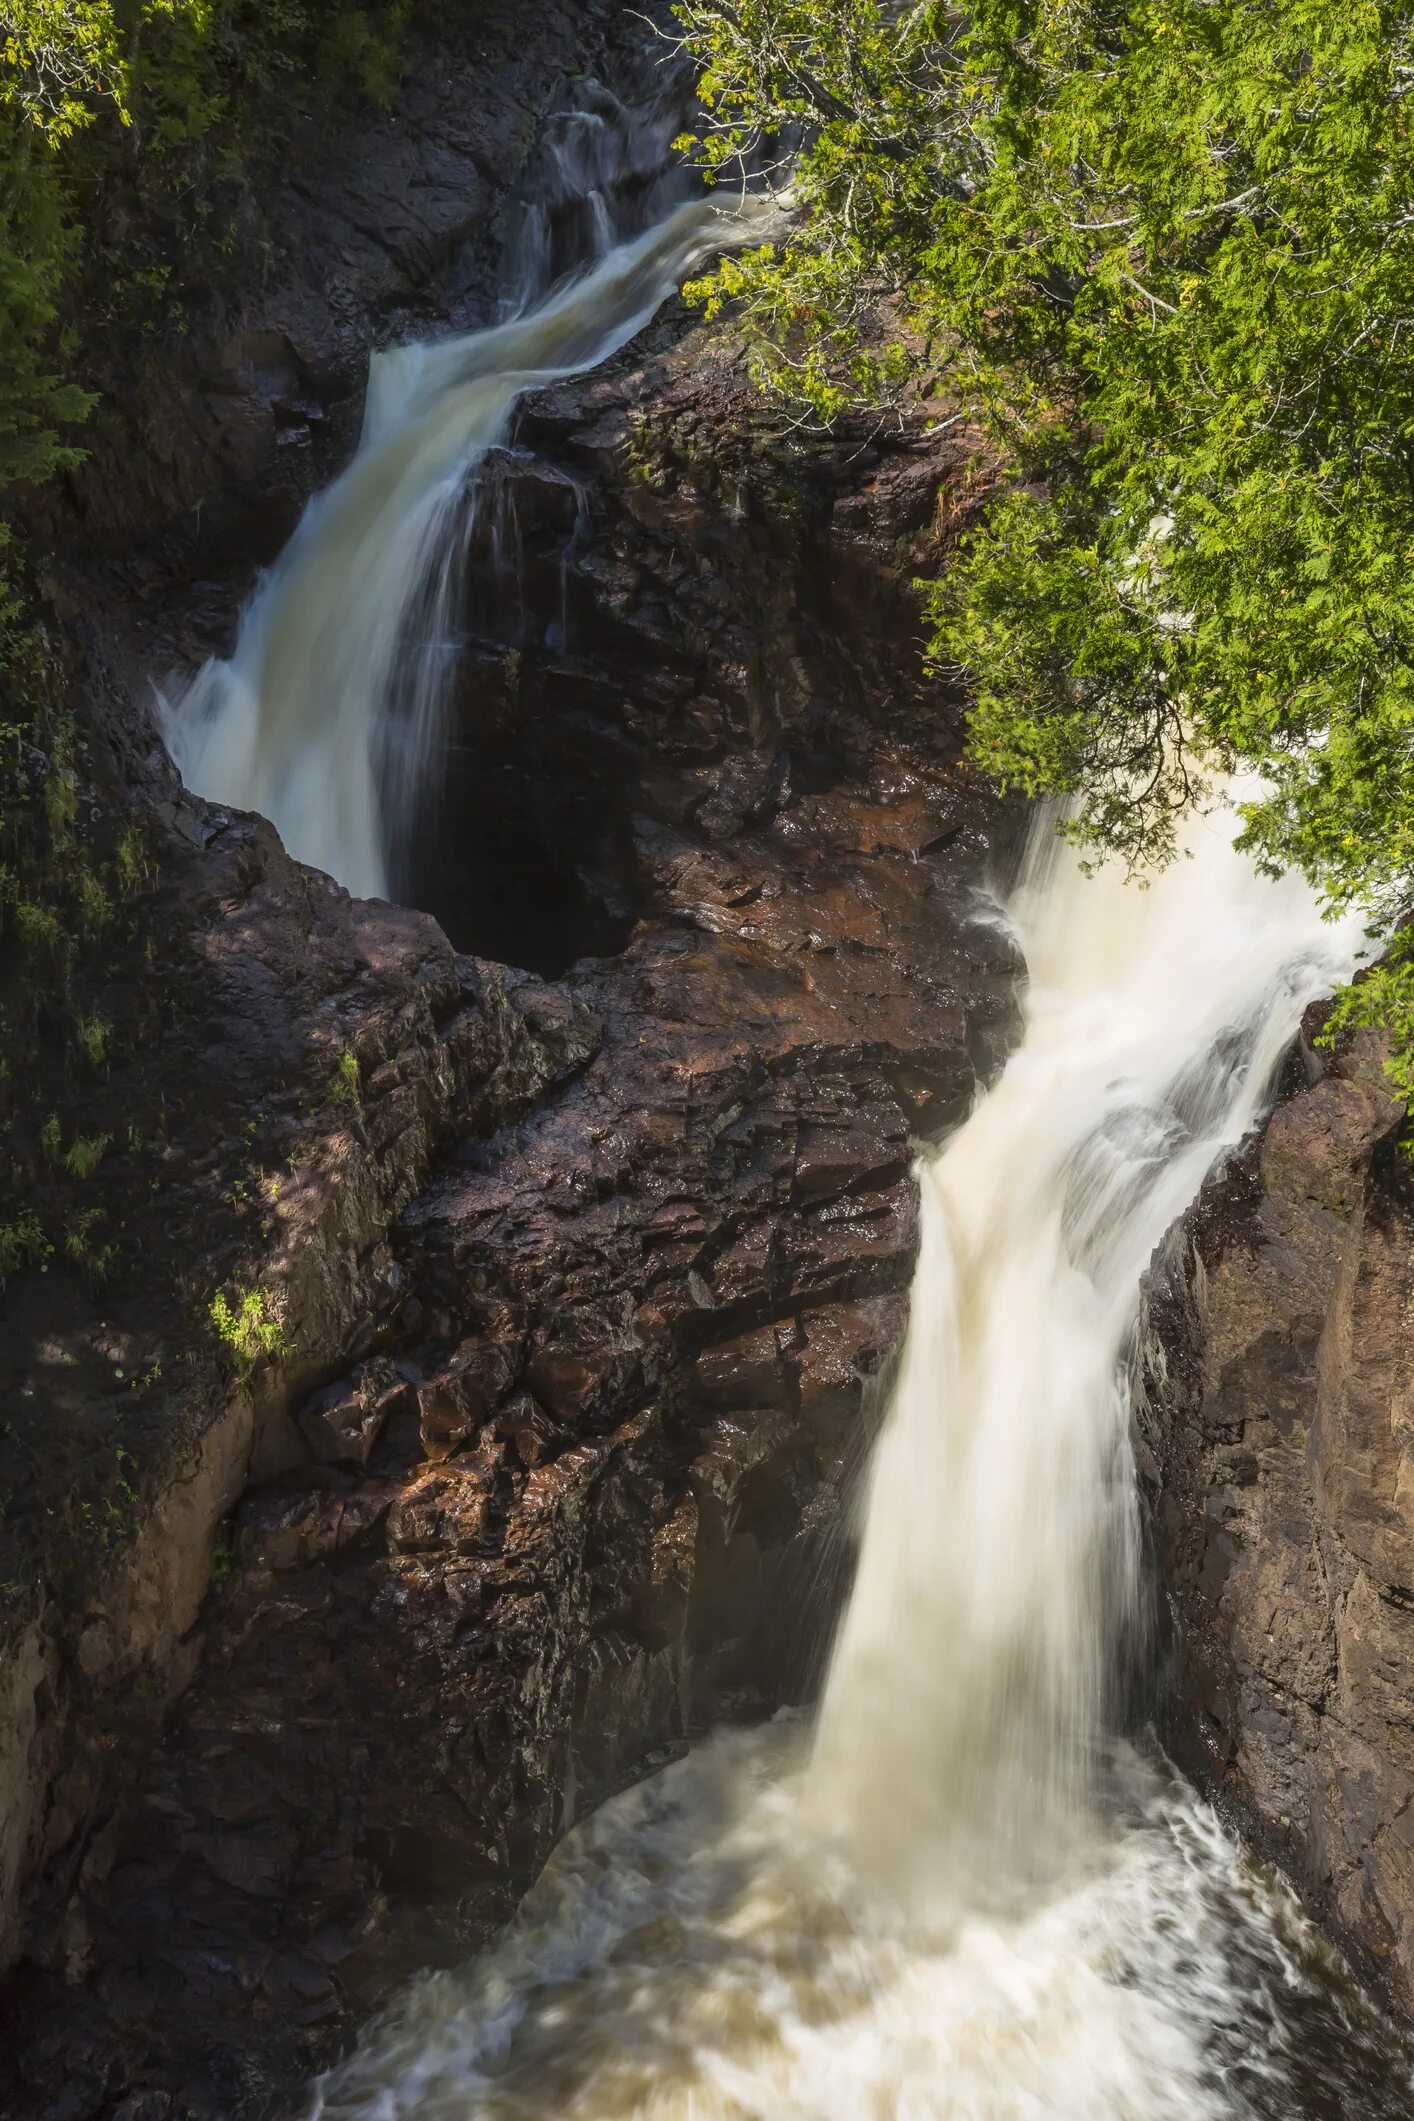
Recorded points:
(1162,251)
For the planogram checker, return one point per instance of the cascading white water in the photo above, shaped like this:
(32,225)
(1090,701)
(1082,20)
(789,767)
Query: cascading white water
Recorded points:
(327,716)
(999,1561)
(967,1899)
(601,172)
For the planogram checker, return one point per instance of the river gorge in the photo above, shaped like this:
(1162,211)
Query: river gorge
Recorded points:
(813,1521)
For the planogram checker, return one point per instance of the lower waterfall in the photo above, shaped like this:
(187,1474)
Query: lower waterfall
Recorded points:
(998,1574)
(966,1893)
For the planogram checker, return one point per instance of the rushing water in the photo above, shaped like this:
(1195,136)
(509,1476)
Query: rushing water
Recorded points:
(963,1895)
(328,716)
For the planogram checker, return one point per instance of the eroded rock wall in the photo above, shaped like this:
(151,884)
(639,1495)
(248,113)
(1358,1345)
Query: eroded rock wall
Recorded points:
(239,1158)
(1280,1459)
(587,1283)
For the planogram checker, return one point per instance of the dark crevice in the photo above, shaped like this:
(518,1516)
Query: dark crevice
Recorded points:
(521,848)
(519,865)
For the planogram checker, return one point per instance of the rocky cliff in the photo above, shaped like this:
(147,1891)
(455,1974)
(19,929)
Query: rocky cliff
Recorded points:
(557,1297)
(1276,1423)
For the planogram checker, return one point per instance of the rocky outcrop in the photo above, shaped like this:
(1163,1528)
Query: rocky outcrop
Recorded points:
(1276,1418)
(580,1280)
(607,1371)
(270,1096)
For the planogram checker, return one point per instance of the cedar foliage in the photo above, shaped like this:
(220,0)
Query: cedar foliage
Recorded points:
(1162,251)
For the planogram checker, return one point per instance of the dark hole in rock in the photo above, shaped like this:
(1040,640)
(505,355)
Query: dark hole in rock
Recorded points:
(516,865)
(522,848)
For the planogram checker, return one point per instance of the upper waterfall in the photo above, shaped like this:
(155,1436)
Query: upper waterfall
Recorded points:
(327,715)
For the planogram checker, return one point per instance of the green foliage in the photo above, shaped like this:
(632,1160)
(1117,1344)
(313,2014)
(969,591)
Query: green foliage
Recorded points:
(91,1034)
(133,868)
(55,891)
(22,1243)
(38,247)
(1161,253)
(96,1260)
(346,1082)
(249,1328)
(84,1154)
(60,59)
(1383,1000)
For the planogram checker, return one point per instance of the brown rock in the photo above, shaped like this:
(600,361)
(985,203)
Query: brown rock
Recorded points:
(448,1508)
(292,1531)
(1278,1426)
(454,1403)
(342,1423)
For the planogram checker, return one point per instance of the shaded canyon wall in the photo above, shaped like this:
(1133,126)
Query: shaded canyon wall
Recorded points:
(1276,1430)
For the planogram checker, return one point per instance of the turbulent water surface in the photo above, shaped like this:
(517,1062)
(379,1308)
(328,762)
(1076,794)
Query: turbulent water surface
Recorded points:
(961,1894)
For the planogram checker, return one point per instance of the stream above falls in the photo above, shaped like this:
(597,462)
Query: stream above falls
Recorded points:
(328,718)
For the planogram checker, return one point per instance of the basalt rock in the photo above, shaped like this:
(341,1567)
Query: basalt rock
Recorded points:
(586,1275)
(276,1085)
(1276,1419)
(568,1496)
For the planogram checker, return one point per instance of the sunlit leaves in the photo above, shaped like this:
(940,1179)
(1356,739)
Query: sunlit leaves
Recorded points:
(1162,251)
(60,59)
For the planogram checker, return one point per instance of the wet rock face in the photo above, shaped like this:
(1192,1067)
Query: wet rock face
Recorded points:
(239,1158)
(596,1288)
(1278,1417)
(591,1279)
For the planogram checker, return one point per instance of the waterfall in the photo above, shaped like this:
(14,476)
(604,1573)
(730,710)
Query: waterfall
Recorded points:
(328,715)
(968,1691)
(966,1896)
(601,171)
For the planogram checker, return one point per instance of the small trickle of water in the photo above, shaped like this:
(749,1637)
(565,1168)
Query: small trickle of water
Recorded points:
(965,1900)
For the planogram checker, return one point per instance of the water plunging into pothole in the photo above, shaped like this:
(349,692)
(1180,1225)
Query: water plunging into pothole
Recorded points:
(330,716)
